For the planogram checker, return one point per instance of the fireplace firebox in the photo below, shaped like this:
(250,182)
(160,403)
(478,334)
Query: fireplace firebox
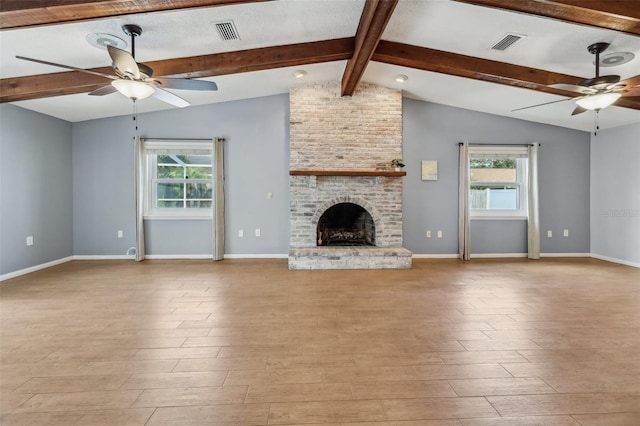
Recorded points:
(346,224)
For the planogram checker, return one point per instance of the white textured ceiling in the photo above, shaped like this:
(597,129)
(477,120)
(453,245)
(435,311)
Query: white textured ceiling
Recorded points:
(437,24)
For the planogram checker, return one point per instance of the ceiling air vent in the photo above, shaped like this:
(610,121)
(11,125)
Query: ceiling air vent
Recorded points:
(227,31)
(507,41)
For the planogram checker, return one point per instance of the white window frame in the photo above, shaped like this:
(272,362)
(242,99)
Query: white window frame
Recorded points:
(518,153)
(152,150)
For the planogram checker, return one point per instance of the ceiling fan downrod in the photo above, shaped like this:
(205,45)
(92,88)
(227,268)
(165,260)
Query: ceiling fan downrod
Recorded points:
(135,31)
(599,82)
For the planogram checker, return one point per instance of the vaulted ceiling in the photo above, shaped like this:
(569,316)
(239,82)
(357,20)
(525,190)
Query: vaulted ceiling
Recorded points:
(442,46)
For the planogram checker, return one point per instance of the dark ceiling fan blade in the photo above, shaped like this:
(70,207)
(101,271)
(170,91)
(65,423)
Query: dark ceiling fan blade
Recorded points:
(104,90)
(533,106)
(578,110)
(185,84)
(68,67)
(170,98)
(573,88)
(124,62)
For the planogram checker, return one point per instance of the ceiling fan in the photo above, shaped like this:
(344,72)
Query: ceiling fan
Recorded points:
(598,92)
(135,80)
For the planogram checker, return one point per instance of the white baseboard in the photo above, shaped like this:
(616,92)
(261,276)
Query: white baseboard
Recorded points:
(177,256)
(102,257)
(256,256)
(496,255)
(25,271)
(614,260)
(565,254)
(435,256)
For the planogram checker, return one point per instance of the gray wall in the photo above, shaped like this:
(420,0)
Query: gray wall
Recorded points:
(615,194)
(432,132)
(256,163)
(35,188)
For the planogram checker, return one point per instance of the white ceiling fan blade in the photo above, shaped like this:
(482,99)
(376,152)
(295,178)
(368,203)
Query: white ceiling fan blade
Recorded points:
(573,88)
(104,90)
(67,67)
(170,98)
(124,62)
(578,110)
(537,105)
(185,84)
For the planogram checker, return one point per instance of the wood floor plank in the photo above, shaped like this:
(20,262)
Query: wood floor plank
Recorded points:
(294,413)
(526,421)
(510,386)
(174,380)
(78,401)
(183,397)
(568,404)
(238,414)
(438,408)
(297,392)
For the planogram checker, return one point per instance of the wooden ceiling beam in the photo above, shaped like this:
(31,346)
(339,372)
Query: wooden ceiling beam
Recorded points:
(373,21)
(30,13)
(439,61)
(618,15)
(67,83)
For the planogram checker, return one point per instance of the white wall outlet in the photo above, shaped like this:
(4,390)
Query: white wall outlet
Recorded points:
(439,234)
(240,233)
(30,240)
(428,234)
(565,233)
(257,232)
(269,195)
(549,233)
(120,233)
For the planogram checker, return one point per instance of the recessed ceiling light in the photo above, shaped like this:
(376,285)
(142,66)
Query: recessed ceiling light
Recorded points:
(401,78)
(615,59)
(299,73)
(102,40)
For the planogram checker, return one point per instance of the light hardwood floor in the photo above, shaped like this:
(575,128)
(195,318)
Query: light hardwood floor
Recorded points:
(247,342)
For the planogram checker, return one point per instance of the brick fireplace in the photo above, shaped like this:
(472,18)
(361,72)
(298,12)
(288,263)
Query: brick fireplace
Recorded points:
(335,144)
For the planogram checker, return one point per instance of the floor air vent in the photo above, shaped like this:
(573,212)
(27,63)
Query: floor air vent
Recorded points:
(227,30)
(507,41)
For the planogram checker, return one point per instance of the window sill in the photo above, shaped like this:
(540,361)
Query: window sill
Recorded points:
(498,217)
(209,217)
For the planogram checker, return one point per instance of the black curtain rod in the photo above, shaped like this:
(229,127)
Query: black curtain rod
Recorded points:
(500,144)
(181,139)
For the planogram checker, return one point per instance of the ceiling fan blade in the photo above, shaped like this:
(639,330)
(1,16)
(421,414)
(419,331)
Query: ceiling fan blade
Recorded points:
(573,88)
(185,84)
(632,81)
(124,62)
(170,98)
(578,110)
(533,106)
(68,67)
(104,90)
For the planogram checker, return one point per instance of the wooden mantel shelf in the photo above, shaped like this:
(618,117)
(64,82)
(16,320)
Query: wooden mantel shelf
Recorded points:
(325,172)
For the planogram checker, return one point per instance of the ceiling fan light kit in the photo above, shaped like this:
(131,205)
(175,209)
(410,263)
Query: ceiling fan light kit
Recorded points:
(598,101)
(133,89)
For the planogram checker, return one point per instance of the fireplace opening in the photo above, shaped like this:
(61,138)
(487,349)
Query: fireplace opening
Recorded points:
(346,224)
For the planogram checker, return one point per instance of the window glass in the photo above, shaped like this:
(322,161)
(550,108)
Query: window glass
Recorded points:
(497,186)
(179,183)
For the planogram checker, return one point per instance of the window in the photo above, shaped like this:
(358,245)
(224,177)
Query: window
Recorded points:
(179,180)
(498,182)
